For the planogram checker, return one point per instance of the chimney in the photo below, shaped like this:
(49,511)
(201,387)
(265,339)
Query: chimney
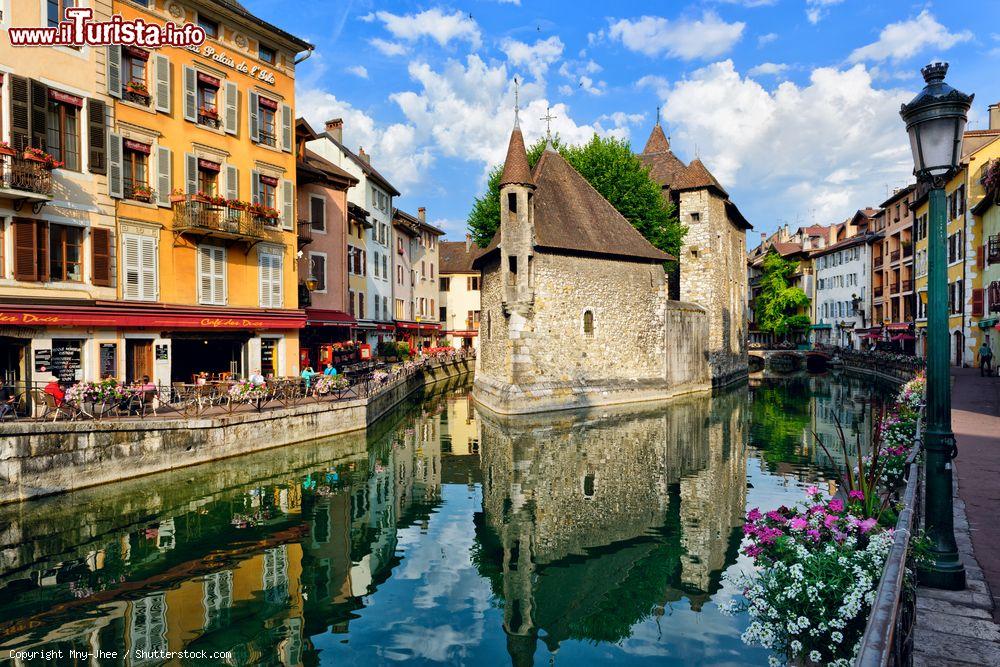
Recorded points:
(995,116)
(468,242)
(335,128)
(363,155)
(807,242)
(422,214)
(763,237)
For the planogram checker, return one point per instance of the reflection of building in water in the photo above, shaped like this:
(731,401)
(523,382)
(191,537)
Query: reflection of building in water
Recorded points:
(590,523)
(459,431)
(848,403)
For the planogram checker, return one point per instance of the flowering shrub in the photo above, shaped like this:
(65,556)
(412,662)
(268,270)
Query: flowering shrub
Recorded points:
(913,393)
(104,391)
(991,176)
(821,563)
(328,383)
(247,391)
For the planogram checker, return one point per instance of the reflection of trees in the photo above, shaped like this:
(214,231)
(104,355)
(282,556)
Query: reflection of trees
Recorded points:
(593,520)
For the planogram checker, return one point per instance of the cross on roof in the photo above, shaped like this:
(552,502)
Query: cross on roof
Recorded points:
(548,118)
(657,114)
(517,104)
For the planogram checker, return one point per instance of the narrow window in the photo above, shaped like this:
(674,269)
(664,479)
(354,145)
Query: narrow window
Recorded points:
(512,269)
(512,202)
(588,323)
(588,486)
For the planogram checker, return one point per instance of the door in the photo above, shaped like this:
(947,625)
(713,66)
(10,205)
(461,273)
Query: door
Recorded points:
(959,344)
(138,359)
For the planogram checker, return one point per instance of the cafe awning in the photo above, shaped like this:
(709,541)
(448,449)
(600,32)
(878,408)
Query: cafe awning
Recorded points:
(821,326)
(319,317)
(417,326)
(988,322)
(115,315)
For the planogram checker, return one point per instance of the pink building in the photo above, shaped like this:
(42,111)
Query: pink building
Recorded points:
(322,206)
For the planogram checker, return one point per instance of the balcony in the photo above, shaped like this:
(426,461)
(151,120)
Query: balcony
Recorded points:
(305,233)
(877,292)
(894,288)
(877,262)
(138,191)
(907,285)
(198,218)
(136,92)
(24,180)
(907,251)
(894,256)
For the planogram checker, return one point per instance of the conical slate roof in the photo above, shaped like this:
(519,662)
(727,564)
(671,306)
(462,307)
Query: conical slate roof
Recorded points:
(515,168)
(657,142)
(695,176)
(662,163)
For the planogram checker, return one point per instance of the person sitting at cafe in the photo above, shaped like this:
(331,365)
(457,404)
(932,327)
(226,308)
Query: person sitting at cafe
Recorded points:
(257,379)
(201,378)
(329,370)
(55,390)
(146,386)
(6,399)
(307,375)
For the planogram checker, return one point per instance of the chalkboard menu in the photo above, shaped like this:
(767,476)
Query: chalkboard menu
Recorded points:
(43,361)
(66,359)
(267,348)
(162,353)
(109,360)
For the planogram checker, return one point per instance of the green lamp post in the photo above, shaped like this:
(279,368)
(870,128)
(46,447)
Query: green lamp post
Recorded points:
(935,120)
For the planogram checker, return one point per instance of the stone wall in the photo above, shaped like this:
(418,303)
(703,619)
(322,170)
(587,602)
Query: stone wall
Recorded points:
(42,458)
(713,274)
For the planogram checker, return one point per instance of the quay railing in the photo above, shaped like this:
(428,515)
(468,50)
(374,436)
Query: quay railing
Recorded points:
(31,402)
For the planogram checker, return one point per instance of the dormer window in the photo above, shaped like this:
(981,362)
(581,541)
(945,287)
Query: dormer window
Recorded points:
(210,27)
(267,54)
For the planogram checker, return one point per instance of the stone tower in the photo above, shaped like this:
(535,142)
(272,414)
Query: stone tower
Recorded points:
(712,261)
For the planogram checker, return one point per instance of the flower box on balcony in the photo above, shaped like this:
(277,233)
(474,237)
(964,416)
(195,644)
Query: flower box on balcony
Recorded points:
(176,198)
(5,149)
(142,195)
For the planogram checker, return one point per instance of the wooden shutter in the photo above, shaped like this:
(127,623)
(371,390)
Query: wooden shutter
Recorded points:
(39,114)
(980,257)
(100,248)
(977,301)
(270,279)
(232,107)
(97,136)
(131,267)
(164,176)
(232,182)
(25,250)
(20,113)
(190,94)
(190,173)
(287,204)
(147,269)
(115,71)
(42,250)
(253,109)
(212,275)
(115,174)
(255,187)
(161,74)
(286,128)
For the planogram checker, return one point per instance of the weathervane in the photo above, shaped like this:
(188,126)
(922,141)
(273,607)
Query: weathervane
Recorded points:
(517,104)
(548,118)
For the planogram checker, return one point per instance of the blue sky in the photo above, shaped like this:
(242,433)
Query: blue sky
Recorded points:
(793,104)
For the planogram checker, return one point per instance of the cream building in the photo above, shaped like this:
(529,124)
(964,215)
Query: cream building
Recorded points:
(459,298)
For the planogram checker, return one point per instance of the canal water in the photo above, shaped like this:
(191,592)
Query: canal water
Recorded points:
(440,536)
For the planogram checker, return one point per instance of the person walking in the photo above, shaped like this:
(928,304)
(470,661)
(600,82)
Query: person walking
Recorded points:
(985,359)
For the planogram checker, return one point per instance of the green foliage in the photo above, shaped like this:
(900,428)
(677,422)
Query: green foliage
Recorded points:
(387,348)
(403,350)
(612,169)
(778,303)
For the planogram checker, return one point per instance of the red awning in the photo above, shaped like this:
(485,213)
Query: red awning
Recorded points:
(328,318)
(122,315)
(902,336)
(899,326)
(414,326)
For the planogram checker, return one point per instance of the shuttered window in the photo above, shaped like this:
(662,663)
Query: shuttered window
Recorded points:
(161,72)
(270,265)
(26,248)
(100,254)
(287,204)
(164,176)
(211,275)
(139,268)
(232,101)
(97,136)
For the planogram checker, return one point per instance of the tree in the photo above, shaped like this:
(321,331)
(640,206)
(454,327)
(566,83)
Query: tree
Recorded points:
(777,304)
(613,170)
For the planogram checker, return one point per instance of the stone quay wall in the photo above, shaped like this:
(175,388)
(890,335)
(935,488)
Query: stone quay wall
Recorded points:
(43,458)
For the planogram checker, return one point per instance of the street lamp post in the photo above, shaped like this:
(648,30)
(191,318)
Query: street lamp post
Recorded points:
(935,120)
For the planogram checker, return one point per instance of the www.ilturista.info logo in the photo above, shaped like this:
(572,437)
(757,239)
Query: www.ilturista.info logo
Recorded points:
(78,30)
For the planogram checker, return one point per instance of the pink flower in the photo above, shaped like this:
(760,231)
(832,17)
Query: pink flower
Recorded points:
(867,525)
(831,520)
(856,495)
(812,490)
(754,515)
(839,536)
(775,516)
(753,551)
(836,505)
(798,523)
(814,534)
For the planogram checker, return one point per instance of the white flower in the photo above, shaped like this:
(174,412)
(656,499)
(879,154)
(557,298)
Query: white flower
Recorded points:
(815,656)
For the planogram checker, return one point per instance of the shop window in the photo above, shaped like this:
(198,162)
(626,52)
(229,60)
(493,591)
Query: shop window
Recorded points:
(63,128)
(269,357)
(208,100)
(65,251)
(135,171)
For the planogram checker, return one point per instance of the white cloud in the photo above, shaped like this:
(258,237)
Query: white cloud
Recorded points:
(751,3)
(367,18)
(359,70)
(823,148)
(535,57)
(580,73)
(387,47)
(684,38)
(657,84)
(510,2)
(766,39)
(904,39)
(768,69)
(816,10)
(432,23)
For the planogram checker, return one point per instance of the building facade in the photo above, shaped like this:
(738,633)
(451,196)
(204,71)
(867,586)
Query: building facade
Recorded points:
(57,225)
(459,294)
(415,285)
(986,216)
(894,301)
(842,297)
(370,219)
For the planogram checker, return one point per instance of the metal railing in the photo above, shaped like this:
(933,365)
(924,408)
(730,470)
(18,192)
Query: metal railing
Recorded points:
(877,262)
(194,214)
(16,173)
(877,292)
(894,256)
(31,402)
(137,191)
(305,232)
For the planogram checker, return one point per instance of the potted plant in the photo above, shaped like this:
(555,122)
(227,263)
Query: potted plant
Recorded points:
(236,204)
(177,195)
(217,200)
(200,197)
(33,154)
(137,87)
(5,149)
(209,112)
(142,192)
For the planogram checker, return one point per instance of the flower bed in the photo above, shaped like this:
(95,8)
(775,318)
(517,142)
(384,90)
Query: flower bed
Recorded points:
(819,563)
(247,392)
(326,384)
(104,391)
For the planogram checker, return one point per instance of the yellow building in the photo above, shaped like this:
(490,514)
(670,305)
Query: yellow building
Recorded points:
(965,249)
(56,224)
(201,164)
(987,217)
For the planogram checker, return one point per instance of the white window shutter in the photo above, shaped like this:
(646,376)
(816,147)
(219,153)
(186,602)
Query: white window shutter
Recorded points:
(190,94)
(147,264)
(115,71)
(232,182)
(115,184)
(253,109)
(263,278)
(255,187)
(212,275)
(232,107)
(190,173)
(131,275)
(287,204)
(204,274)
(277,267)
(161,70)
(164,177)
(219,277)
(286,128)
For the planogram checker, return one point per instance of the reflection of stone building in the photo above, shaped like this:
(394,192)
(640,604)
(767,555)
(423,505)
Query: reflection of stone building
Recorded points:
(591,519)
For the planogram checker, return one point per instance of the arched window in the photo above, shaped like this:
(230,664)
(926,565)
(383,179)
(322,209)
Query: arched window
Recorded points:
(588,323)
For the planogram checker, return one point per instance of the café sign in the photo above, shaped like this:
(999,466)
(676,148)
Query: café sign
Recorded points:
(255,72)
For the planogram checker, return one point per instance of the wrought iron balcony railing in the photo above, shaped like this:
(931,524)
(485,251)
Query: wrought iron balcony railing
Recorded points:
(894,256)
(305,232)
(195,216)
(877,262)
(25,176)
(138,191)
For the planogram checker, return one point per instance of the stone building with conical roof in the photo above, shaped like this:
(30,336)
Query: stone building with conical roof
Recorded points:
(713,259)
(575,309)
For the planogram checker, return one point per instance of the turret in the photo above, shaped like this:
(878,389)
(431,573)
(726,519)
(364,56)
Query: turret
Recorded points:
(517,222)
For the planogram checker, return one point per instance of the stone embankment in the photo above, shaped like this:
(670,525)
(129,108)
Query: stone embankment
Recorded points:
(43,458)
